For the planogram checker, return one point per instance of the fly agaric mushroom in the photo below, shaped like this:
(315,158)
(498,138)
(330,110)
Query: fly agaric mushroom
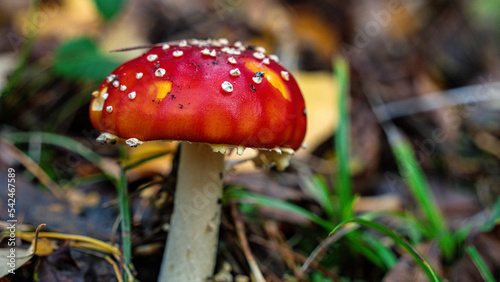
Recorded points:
(214,96)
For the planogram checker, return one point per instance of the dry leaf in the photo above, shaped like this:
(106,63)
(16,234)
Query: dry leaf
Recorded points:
(80,200)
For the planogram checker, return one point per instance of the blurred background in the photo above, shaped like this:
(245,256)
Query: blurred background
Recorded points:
(403,131)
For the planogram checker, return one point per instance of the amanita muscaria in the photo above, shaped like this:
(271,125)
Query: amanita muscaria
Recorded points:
(214,96)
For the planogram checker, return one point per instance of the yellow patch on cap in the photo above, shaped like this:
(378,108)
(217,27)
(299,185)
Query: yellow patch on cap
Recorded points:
(160,89)
(274,78)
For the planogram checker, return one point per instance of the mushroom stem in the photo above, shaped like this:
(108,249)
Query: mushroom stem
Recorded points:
(191,248)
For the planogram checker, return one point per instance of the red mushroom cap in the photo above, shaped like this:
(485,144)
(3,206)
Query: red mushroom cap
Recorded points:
(202,91)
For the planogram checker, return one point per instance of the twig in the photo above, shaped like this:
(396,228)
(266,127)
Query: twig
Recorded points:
(134,48)
(115,268)
(429,102)
(37,232)
(34,168)
(142,47)
(240,230)
(298,257)
(275,235)
(321,249)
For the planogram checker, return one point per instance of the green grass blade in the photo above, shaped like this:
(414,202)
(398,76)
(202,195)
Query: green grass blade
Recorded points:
(126,223)
(494,217)
(414,178)
(358,245)
(484,225)
(317,186)
(342,140)
(383,252)
(478,261)
(316,276)
(419,259)
(248,197)
(417,183)
(420,189)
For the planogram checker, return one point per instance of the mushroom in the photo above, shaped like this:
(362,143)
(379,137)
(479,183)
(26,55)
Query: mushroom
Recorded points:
(212,96)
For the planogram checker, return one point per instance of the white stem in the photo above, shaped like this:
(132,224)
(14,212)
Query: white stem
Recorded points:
(193,234)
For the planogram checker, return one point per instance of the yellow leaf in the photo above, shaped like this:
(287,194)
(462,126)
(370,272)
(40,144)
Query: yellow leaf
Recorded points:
(44,247)
(158,166)
(321,97)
